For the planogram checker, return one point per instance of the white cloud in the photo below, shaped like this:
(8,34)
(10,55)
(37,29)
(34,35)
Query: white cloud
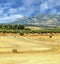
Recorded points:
(44,6)
(10,18)
(12,11)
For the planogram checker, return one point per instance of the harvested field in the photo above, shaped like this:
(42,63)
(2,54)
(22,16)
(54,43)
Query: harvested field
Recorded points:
(38,49)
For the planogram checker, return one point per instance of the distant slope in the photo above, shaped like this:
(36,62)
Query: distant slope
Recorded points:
(46,20)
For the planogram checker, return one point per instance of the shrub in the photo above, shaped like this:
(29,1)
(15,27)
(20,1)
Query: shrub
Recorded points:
(50,36)
(21,33)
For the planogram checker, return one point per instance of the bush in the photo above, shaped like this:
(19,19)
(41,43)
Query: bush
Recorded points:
(21,33)
(50,36)
(14,50)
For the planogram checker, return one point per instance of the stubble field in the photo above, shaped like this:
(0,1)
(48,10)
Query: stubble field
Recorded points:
(31,49)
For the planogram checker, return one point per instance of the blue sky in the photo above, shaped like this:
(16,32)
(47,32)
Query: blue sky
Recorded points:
(13,9)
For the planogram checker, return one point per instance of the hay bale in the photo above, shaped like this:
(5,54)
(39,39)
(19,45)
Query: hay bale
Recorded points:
(14,51)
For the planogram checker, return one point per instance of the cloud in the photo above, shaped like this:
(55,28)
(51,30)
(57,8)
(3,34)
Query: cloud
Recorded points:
(50,5)
(31,6)
(44,6)
(12,9)
(11,18)
(41,6)
(1,11)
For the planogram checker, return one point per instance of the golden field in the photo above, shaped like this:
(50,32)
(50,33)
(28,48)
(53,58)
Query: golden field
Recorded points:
(35,28)
(32,49)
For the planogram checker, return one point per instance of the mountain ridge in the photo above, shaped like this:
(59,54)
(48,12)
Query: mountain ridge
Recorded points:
(46,20)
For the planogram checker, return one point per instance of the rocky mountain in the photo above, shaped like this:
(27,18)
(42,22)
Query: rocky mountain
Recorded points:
(45,20)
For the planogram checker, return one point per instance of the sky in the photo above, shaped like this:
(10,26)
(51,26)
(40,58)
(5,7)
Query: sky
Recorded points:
(10,10)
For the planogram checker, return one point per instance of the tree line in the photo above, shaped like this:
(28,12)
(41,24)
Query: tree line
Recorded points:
(21,29)
(11,27)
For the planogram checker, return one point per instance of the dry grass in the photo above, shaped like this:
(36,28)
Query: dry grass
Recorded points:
(34,49)
(31,58)
(35,28)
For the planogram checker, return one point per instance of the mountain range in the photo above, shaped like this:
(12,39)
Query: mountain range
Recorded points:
(41,19)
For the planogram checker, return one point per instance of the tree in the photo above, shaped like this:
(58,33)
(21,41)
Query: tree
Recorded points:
(21,27)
